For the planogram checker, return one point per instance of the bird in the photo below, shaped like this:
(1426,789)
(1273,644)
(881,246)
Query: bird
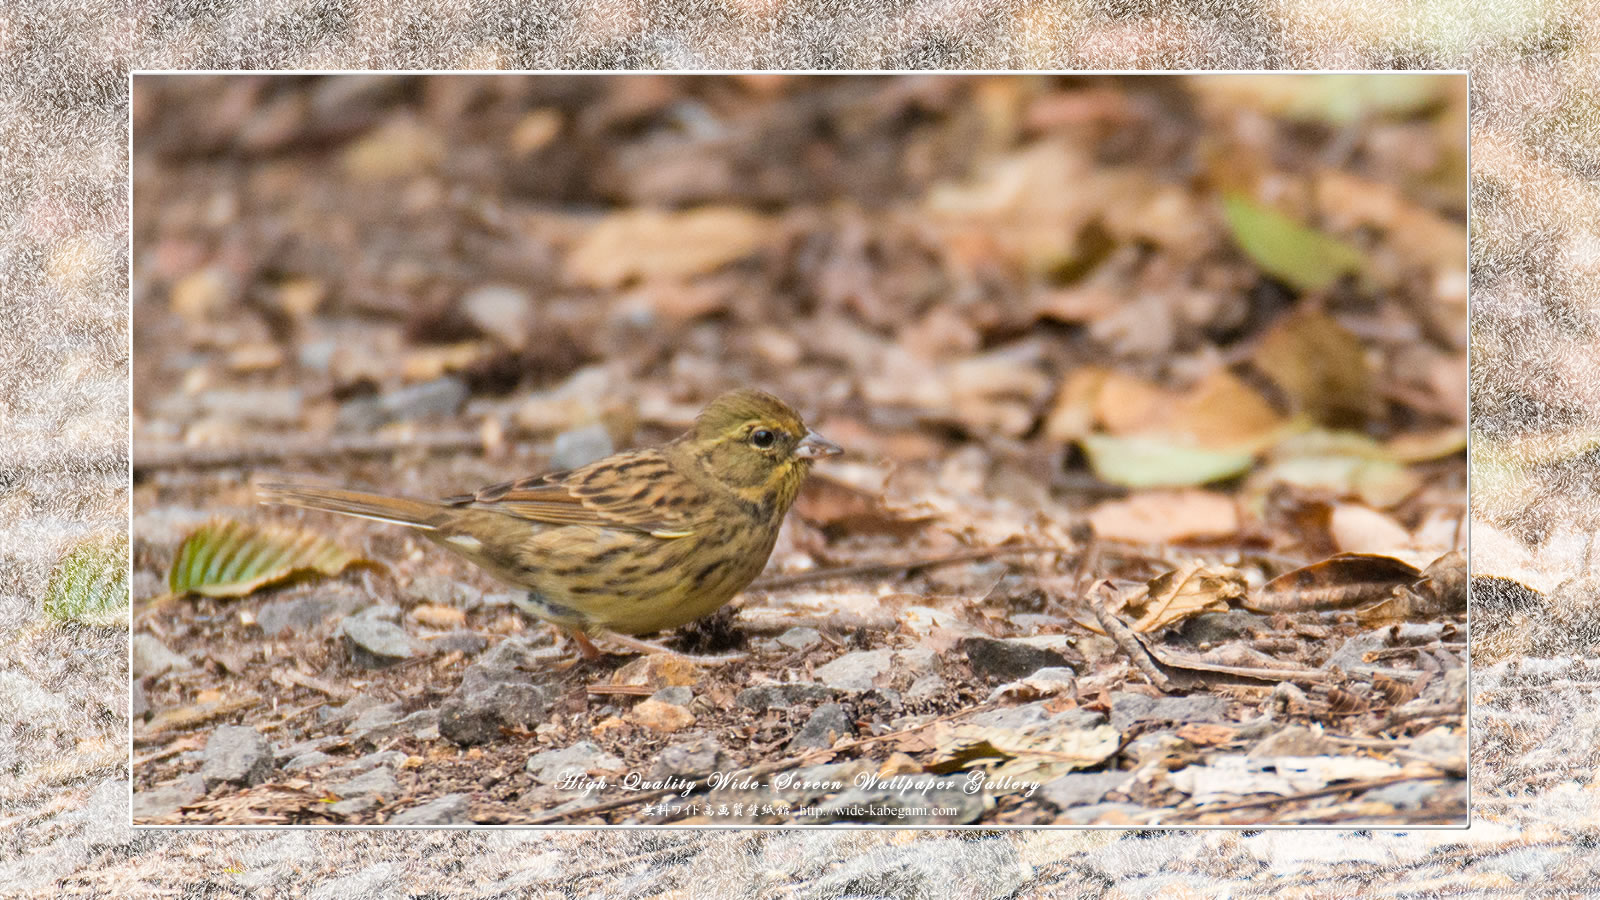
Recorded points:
(638,542)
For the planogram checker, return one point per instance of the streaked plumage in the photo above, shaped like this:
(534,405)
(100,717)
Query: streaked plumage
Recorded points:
(633,543)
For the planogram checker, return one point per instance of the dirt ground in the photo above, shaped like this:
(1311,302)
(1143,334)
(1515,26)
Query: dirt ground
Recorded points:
(1075,334)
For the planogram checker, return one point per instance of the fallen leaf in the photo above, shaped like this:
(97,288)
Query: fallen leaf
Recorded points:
(1145,462)
(1301,257)
(1345,580)
(1172,597)
(1161,517)
(1359,529)
(229,558)
(650,244)
(89,584)
(1321,366)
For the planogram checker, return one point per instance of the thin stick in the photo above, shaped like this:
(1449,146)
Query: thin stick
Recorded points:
(1124,638)
(1312,795)
(779,582)
(148,458)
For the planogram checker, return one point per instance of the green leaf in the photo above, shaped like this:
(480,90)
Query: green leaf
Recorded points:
(89,585)
(1348,464)
(232,559)
(1145,461)
(1304,259)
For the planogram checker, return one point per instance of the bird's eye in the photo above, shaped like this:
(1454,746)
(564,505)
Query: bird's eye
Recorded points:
(762,438)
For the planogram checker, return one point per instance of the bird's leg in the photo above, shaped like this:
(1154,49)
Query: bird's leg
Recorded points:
(643,646)
(585,646)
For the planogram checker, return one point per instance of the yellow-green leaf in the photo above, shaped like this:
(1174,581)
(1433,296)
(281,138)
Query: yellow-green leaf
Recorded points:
(231,559)
(1300,257)
(89,585)
(1143,461)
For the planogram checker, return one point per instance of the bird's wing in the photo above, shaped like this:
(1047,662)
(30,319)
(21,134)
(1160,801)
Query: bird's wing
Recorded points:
(638,491)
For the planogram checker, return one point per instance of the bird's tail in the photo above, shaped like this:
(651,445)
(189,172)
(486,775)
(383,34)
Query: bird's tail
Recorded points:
(395,510)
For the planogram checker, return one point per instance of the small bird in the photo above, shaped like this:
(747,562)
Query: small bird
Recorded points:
(637,542)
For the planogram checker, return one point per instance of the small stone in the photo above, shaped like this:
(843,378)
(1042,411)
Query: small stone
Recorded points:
(260,406)
(856,672)
(663,718)
(495,694)
(151,659)
(1411,795)
(1105,814)
(1221,627)
(580,446)
(392,759)
(677,695)
(825,726)
(554,766)
(927,688)
(308,760)
(1128,709)
(353,806)
(800,638)
(375,717)
(376,644)
(451,809)
(236,754)
(1293,740)
(463,641)
(299,615)
(436,399)
(656,671)
(699,757)
(1008,660)
(163,802)
(379,783)
(766,696)
(501,312)
(1082,788)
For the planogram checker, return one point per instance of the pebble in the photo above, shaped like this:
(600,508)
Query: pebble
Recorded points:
(451,809)
(151,659)
(495,693)
(439,398)
(677,695)
(663,718)
(702,756)
(827,724)
(766,696)
(1010,660)
(1129,709)
(376,783)
(375,643)
(236,754)
(580,446)
(800,638)
(552,766)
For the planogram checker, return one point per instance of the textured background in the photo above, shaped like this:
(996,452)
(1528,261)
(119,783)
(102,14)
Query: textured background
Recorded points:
(63,407)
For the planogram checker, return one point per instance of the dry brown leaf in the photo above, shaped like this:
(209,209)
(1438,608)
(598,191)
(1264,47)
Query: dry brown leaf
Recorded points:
(649,244)
(1339,582)
(1321,366)
(1181,594)
(1360,529)
(1160,517)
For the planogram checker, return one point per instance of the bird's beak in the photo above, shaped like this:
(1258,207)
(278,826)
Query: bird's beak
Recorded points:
(815,446)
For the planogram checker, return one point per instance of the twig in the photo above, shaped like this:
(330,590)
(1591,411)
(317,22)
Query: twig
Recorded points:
(779,582)
(148,458)
(1312,795)
(1129,642)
